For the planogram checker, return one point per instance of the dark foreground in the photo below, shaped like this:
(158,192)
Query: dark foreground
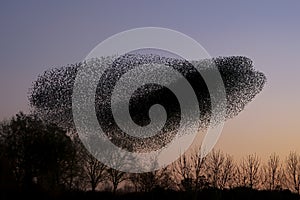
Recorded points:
(211,194)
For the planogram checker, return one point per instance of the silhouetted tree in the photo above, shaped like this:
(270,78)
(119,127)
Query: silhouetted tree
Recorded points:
(215,161)
(116,177)
(95,171)
(228,176)
(8,184)
(184,171)
(145,182)
(293,172)
(198,162)
(249,171)
(165,178)
(189,171)
(220,170)
(39,153)
(273,174)
(75,166)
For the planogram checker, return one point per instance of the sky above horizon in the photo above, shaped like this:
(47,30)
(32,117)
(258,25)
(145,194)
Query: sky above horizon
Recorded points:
(38,35)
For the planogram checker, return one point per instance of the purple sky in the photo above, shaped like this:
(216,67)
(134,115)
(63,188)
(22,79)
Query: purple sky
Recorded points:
(37,35)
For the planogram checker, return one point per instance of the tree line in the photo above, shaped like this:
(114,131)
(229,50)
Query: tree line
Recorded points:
(39,155)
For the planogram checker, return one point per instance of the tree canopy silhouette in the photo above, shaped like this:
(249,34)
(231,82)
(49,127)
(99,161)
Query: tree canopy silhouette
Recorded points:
(37,152)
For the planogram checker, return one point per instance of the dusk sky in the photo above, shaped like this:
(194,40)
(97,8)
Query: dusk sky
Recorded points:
(38,35)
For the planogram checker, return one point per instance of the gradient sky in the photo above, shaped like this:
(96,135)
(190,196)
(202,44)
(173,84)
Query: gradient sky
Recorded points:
(38,35)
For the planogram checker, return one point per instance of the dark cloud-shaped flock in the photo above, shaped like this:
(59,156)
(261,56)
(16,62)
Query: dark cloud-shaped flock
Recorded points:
(51,95)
